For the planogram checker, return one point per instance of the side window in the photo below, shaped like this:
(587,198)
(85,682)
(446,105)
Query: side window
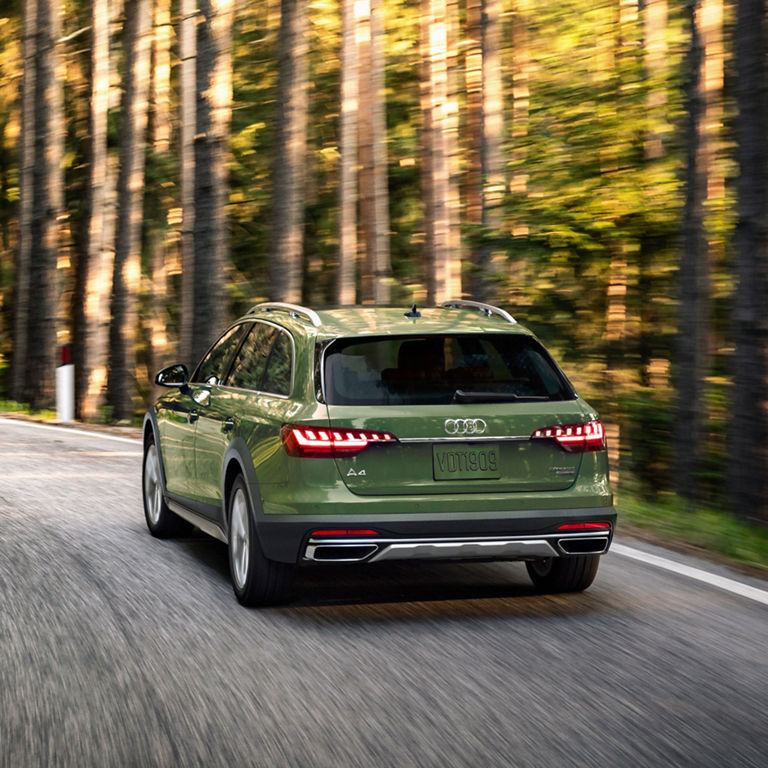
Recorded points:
(278,378)
(251,361)
(214,365)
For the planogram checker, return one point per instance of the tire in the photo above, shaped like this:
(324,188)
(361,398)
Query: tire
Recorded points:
(563,574)
(161,522)
(256,580)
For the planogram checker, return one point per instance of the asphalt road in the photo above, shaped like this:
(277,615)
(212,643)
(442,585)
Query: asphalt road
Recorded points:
(117,649)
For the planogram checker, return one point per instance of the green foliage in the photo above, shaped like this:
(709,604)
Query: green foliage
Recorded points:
(23,409)
(671,519)
(596,209)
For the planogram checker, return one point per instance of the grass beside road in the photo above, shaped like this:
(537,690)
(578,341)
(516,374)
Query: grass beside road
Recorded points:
(12,408)
(671,521)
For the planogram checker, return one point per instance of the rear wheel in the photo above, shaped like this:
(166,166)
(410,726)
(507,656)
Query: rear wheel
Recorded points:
(563,574)
(160,520)
(255,579)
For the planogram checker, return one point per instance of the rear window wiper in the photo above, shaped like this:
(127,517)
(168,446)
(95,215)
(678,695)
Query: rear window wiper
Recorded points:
(462,396)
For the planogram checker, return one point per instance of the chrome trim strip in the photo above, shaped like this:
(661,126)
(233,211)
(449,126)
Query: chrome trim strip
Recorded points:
(293,309)
(465,439)
(487,309)
(205,525)
(492,547)
(511,549)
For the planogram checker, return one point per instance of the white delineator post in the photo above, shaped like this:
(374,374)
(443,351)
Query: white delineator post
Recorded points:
(65,385)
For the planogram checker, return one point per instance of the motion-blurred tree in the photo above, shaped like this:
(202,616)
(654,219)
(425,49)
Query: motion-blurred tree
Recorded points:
(348,118)
(42,320)
(748,428)
(26,162)
(126,277)
(213,120)
(372,125)
(290,155)
(94,280)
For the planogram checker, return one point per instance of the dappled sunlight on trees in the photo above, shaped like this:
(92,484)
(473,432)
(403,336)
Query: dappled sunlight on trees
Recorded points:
(577,162)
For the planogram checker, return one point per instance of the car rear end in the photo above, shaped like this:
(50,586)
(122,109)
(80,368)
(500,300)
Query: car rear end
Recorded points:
(448,437)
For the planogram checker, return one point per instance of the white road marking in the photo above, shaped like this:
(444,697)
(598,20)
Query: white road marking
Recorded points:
(18,422)
(729,585)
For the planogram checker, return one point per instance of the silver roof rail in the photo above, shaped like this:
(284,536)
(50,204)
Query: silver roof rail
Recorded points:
(487,309)
(294,310)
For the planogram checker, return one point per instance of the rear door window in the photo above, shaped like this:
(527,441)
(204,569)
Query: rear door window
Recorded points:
(441,369)
(277,379)
(264,362)
(251,362)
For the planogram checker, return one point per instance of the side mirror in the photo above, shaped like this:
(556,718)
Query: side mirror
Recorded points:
(173,376)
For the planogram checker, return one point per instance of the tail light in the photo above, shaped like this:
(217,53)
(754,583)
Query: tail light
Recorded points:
(344,532)
(321,443)
(584,527)
(576,438)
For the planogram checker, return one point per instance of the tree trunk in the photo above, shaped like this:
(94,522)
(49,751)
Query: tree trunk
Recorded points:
(289,195)
(214,113)
(748,437)
(656,68)
(160,130)
(26,191)
(160,140)
(704,100)
(473,194)
(126,277)
(655,62)
(345,276)
(374,198)
(453,152)
(493,137)
(97,255)
(188,99)
(40,374)
(485,122)
(521,71)
(435,177)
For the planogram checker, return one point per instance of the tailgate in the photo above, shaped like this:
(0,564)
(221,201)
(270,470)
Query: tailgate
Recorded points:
(458,449)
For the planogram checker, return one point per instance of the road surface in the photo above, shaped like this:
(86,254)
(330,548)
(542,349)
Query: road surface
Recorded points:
(117,649)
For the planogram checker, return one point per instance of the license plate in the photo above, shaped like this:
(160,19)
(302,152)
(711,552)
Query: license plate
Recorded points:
(465,462)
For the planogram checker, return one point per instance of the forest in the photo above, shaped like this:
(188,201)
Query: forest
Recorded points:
(599,168)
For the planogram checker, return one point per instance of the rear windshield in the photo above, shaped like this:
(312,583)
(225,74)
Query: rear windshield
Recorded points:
(405,370)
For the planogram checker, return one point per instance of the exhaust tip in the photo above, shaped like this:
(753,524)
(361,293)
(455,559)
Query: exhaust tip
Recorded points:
(341,553)
(584,546)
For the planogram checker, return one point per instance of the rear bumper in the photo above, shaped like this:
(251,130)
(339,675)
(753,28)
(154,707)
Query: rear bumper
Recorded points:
(490,536)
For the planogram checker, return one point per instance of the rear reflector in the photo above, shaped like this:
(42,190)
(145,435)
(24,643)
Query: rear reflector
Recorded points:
(576,438)
(323,443)
(584,527)
(344,532)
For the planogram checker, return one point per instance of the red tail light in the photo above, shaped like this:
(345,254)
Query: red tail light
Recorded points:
(344,532)
(322,443)
(576,438)
(584,527)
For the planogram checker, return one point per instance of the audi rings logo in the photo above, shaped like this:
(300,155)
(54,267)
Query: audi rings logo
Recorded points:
(465,426)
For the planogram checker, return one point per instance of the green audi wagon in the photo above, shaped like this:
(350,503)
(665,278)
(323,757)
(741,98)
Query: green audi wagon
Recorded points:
(368,434)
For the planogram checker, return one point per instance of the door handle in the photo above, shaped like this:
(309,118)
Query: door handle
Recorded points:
(193,416)
(228,426)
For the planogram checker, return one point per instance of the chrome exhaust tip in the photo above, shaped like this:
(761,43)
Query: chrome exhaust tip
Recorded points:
(340,553)
(587,545)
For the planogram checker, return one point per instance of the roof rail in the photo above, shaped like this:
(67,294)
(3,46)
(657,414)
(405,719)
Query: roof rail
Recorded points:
(487,309)
(294,310)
